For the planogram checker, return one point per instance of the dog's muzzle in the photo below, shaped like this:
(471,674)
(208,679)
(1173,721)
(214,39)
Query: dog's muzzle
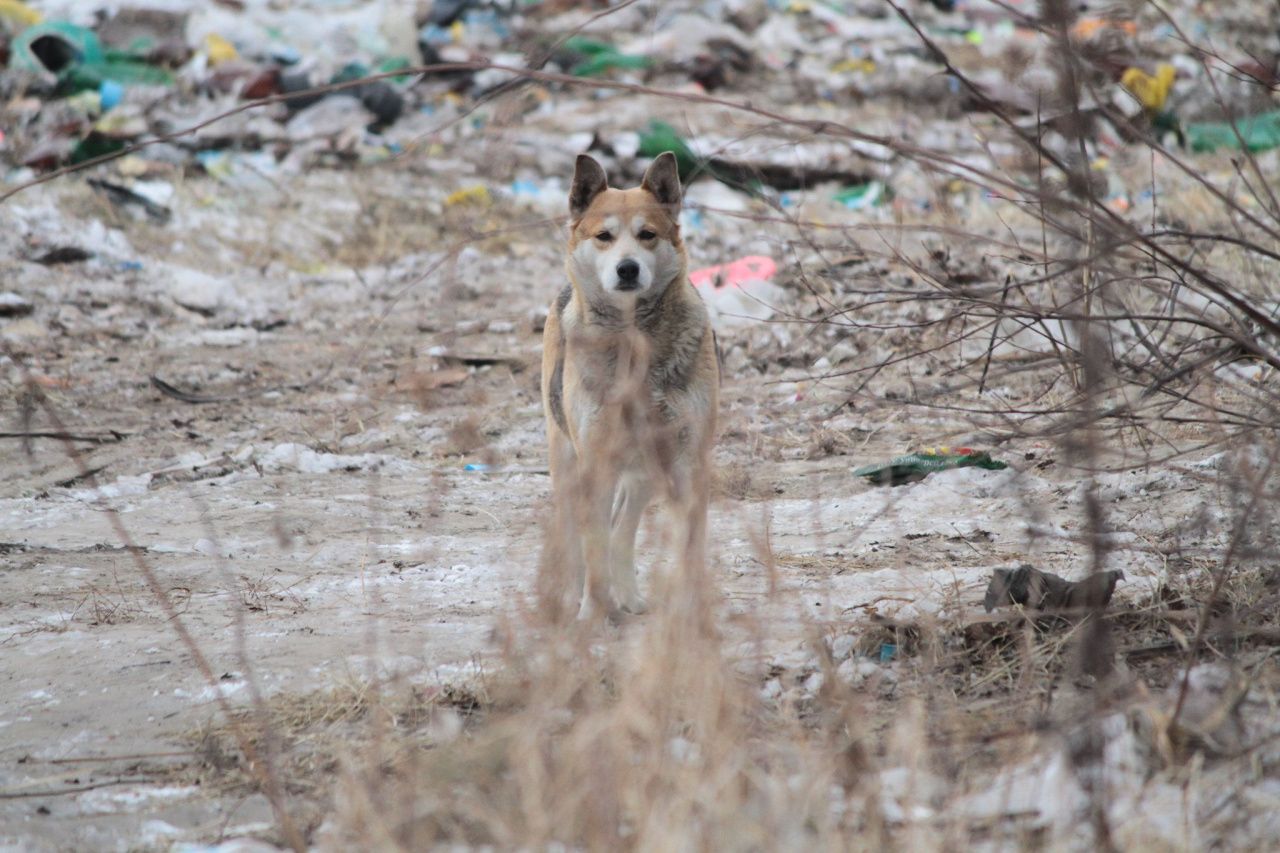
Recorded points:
(628,274)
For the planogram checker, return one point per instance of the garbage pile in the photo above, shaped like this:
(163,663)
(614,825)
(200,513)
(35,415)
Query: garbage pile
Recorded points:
(82,80)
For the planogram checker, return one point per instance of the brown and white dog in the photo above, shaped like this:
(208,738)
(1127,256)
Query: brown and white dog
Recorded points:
(630,386)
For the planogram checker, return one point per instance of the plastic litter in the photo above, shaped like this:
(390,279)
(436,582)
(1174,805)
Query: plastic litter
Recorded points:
(55,47)
(110,93)
(1151,90)
(658,137)
(74,57)
(860,197)
(218,49)
(474,194)
(16,15)
(600,57)
(736,273)
(917,466)
(1260,133)
(739,292)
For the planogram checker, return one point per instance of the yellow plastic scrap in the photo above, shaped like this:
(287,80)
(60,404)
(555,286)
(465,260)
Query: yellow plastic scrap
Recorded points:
(866,66)
(1151,91)
(474,194)
(17,15)
(219,49)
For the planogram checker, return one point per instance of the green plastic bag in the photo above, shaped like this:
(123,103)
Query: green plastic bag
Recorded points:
(659,137)
(917,466)
(116,67)
(1260,133)
(601,57)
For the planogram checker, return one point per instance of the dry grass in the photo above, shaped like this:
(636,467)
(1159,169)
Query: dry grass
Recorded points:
(675,732)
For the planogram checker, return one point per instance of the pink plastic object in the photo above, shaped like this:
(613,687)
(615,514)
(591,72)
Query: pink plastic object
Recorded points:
(736,273)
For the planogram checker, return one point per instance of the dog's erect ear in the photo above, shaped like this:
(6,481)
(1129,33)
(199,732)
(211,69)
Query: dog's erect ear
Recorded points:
(662,180)
(588,182)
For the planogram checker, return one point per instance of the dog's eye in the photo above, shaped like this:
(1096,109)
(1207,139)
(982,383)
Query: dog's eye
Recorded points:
(604,236)
(646,234)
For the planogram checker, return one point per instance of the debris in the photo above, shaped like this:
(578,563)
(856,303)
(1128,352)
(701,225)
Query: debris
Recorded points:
(739,292)
(17,15)
(63,255)
(219,50)
(1260,133)
(121,195)
(745,175)
(1041,591)
(13,305)
(862,196)
(917,466)
(474,194)
(329,119)
(55,47)
(1151,91)
(600,57)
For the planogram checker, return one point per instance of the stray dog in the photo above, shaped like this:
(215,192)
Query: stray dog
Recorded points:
(630,387)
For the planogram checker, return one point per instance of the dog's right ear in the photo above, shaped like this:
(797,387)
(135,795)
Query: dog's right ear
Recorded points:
(588,182)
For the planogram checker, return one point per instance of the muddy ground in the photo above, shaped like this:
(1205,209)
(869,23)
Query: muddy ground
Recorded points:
(328,506)
(364,493)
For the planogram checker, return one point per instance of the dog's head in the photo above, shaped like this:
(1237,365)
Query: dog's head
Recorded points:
(625,244)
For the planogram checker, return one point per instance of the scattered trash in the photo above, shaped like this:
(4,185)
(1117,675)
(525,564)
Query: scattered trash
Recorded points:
(477,466)
(600,57)
(474,194)
(16,14)
(55,48)
(743,175)
(658,137)
(736,273)
(13,305)
(739,292)
(63,255)
(219,50)
(917,466)
(123,196)
(860,197)
(1260,133)
(1041,591)
(1151,91)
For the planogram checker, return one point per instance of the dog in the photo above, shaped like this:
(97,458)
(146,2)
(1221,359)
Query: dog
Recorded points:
(630,387)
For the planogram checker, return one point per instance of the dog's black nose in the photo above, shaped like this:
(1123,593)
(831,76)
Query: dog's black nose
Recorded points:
(628,270)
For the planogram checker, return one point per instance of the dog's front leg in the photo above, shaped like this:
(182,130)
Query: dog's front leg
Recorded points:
(633,495)
(594,527)
(596,501)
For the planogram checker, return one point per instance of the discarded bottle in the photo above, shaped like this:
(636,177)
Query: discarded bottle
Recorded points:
(917,466)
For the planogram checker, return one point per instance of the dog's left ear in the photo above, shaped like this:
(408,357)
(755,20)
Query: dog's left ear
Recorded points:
(662,180)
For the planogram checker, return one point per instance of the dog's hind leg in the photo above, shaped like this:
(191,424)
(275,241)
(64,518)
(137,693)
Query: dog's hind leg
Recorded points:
(633,495)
